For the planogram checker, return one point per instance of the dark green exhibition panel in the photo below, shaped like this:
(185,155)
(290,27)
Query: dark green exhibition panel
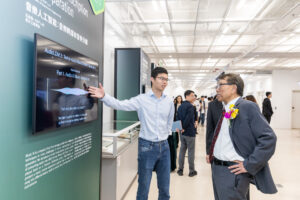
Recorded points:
(72,24)
(127,79)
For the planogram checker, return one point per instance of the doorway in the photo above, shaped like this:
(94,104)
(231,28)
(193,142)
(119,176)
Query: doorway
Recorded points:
(296,110)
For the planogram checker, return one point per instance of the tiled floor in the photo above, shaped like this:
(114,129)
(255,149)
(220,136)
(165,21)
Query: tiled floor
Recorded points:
(285,167)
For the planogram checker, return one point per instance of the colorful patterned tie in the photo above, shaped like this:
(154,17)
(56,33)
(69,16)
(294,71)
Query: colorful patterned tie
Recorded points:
(212,146)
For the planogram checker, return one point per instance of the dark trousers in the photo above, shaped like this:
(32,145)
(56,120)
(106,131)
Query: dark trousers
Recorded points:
(228,186)
(268,118)
(202,118)
(172,140)
(187,143)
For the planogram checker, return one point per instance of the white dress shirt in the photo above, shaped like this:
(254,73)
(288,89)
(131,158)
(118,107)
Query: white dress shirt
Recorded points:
(224,149)
(156,115)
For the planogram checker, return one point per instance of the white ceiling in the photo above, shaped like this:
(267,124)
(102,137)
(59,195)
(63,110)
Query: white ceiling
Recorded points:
(198,39)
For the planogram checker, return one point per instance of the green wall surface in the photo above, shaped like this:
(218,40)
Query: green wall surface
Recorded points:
(80,178)
(127,79)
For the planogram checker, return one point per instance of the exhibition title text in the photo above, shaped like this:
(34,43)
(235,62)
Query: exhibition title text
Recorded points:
(66,7)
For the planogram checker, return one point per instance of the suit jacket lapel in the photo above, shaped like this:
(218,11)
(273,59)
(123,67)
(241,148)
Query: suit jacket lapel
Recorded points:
(234,120)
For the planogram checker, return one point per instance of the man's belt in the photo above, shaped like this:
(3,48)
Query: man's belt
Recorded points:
(223,163)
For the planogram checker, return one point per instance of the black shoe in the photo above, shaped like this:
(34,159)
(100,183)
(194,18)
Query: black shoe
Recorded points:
(193,173)
(180,172)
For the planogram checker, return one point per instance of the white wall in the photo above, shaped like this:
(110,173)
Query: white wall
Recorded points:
(115,36)
(284,82)
(258,85)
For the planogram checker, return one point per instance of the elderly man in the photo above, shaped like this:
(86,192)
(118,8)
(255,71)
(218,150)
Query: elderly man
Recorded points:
(242,145)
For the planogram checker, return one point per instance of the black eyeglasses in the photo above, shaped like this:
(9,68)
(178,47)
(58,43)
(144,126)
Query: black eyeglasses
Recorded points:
(220,84)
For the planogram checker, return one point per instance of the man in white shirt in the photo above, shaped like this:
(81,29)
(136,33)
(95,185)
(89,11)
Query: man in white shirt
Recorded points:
(242,145)
(156,113)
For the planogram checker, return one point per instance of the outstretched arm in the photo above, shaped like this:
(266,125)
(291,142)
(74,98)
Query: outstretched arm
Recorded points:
(126,105)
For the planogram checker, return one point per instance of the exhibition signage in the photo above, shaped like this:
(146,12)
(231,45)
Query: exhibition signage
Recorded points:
(97,6)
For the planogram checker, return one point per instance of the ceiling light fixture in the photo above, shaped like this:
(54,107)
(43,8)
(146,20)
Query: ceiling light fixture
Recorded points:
(282,40)
(251,59)
(155,5)
(225,30)
(240,4)
(292,34)
(208,59)
(162,31)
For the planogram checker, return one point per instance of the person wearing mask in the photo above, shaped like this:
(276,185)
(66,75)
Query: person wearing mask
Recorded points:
(242,145)
(186,113)
(156,114)
(267,107)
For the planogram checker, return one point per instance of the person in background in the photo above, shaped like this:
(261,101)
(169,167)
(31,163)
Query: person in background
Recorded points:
(173,139)
(178,102)
(214,114)
(251,98)
(177,105)
(267,107)
(203,106)
(197,111)
(156,113)
(186,113)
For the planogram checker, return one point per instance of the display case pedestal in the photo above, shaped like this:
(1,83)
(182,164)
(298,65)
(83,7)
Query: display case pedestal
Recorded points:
(119,160)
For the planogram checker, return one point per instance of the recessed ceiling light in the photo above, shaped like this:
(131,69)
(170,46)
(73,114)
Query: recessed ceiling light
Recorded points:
(240,4)
(162,31)
(155,5)
(251,59)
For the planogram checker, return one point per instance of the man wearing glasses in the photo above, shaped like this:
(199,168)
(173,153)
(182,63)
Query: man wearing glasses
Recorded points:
(242,145)
(156,113)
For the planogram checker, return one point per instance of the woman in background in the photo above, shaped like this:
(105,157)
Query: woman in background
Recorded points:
(174,138)
(251,98)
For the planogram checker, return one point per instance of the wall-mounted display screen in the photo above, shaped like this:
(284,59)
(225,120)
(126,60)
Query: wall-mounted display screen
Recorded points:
(62,77)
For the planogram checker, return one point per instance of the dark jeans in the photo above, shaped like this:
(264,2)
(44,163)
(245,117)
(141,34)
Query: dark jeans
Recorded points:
(202,118)
(153,156)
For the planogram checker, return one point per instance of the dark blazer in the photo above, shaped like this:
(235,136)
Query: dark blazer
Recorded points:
(186,113)
(267,108)
(255,141)
(214,113)
(175,113)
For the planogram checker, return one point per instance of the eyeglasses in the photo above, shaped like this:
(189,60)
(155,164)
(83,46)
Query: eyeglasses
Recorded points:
(163,79)
(220,84)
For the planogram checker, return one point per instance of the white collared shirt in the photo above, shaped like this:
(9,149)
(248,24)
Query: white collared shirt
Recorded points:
(224,149)
(155,114)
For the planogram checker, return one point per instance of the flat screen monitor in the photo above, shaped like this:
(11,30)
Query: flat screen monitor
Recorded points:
(62,77)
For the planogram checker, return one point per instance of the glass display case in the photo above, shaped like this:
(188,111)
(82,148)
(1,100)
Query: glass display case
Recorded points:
(118,135)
